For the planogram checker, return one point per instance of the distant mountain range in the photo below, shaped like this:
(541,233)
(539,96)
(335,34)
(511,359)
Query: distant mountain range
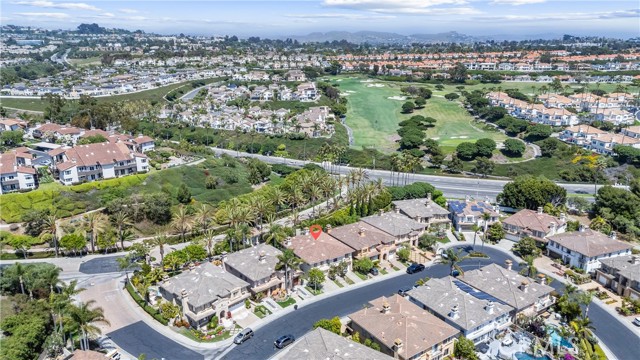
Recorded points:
(374,37)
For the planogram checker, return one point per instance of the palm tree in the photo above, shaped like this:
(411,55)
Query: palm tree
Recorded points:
(20,271)
(452,258)
(208,241)
(314,193)
(475,229)
(528,268)
(121,220)
(160,241)
(276,235)
(203,217)
(261,206)
(278,197)
(51,277)
(287,261)
(582,327)
(599,166)
(182,222)
(85,316)
(95,223)
(585,298)
(50,226)
(125,263)
(62,301)
(485,219)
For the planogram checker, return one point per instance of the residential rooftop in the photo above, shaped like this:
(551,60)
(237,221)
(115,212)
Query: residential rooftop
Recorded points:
(255,263)
(589,242)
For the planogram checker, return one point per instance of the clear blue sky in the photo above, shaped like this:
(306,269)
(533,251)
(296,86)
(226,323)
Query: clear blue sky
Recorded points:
(279,18)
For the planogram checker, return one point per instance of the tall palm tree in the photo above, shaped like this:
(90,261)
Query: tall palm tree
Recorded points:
(314,193)
(584,298)
(203,217)
(182,222)
(50,226)
(261,206)
(599,166)
(277,196)
(475,229)
(208,241)
(485,223)
(85,316)
(121,221)
(96,223)
(160,241)
(20,271)
(528,268)
(63,299)
(276,235)
(452,258)
(51,277)
(287,261)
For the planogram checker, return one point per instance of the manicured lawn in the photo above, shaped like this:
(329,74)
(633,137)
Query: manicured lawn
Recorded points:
(30,255)
(395,267)
(360,275)
(544,166)
(288,302)
(85,62)
(348,281)
(374,113)
(261,311)
(314,292)
(383,271)
(338,283)
(191,335)
(443,240)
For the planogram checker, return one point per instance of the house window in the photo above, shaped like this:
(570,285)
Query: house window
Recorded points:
(68,172)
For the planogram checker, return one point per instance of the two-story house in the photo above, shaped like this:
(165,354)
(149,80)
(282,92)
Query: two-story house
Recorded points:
(533,224)
(404,330)
(257,266)
(321,253)
(365,240)
(478,316)
(97,161)
(406,231)
(524,295)
(205,291)
(621,274)
(585,248)
(465,214)
(16,174)
(143,143)
(425,211)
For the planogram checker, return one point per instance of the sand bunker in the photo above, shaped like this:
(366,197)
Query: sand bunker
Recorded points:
(401,98)
(366,81)
(375,85)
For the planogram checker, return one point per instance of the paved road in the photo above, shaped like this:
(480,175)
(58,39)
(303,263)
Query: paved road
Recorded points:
(452,187)
(624,344)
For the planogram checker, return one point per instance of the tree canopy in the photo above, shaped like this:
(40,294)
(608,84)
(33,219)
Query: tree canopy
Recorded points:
(531,192)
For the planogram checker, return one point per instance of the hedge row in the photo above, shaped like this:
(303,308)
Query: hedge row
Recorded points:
(150,310)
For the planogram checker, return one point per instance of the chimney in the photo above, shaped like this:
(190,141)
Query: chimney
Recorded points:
(386,307)
(262,258)
(613,235)
(635,259)
(552,228)
(581,228)
(397,347)
(287,242)
(508,264)
(563,217)
(455,312)
(184,293)
(192,266)
(466,198)
(524,286)
(380,212)
(429,197)
(542,279)
(397,210)
(328,228)
(489,307)
(361,232)
(305,231)
(539,209)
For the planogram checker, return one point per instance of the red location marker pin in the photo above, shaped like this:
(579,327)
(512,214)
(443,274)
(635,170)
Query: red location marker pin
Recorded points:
(315,231)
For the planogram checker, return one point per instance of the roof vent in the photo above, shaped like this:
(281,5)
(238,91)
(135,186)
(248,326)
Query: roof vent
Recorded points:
(508,264)
(539,209)
(386,307)
(524,286)
(262,257)
(613,235)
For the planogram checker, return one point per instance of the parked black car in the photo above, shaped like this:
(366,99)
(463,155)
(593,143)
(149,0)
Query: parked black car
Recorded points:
(283,341)
(403,290)
(374,271)
(414,268)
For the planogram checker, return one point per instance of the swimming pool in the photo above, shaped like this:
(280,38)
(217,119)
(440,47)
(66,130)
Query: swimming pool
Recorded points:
(557,340)
(525,356)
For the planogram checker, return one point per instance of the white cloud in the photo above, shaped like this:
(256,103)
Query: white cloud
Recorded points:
(129,11)
(391,4)
(516,2)
(633,13)
(340,16)
(54,5)
(407,7)
(44,15)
